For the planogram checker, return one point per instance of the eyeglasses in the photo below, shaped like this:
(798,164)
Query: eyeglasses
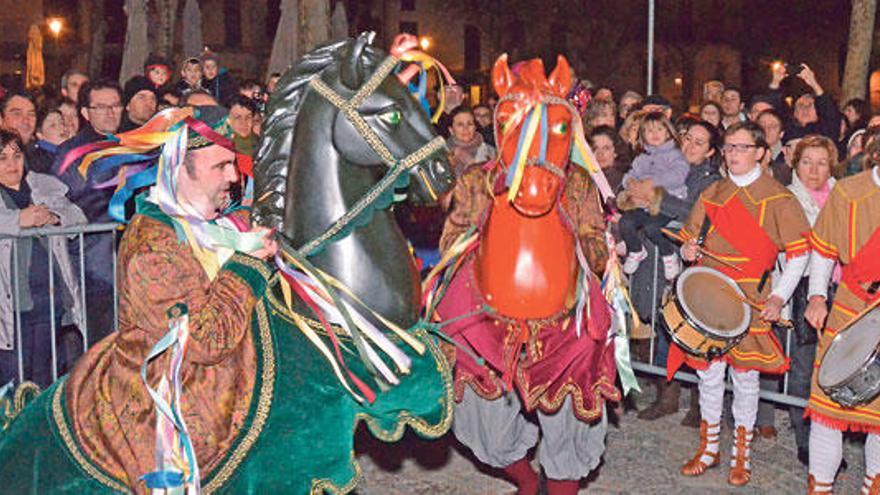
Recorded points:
(691,139)
(107,108)
(737,147)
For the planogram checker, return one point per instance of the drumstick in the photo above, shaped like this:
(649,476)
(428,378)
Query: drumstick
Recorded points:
(860,314)
(702,249)
(760,307)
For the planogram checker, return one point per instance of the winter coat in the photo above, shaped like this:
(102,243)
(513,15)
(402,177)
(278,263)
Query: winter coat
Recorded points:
(47,190)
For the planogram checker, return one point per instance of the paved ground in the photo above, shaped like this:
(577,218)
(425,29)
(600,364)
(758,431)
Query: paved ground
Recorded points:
(642,457)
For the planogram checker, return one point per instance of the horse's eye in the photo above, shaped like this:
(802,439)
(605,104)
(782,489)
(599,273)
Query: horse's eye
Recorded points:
(560,128)
(391,117)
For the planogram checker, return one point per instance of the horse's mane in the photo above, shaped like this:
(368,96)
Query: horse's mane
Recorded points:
(276,148)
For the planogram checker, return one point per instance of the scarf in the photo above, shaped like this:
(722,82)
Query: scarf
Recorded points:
(464,152)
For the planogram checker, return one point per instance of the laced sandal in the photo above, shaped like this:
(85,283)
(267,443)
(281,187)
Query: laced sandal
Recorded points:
(813,487)
(696,466)
(740,469)
(872,485)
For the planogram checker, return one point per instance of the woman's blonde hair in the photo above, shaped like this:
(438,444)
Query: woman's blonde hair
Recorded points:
(817,141)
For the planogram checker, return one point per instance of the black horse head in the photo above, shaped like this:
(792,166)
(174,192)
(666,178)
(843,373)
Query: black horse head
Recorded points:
(338,124)
(390,112)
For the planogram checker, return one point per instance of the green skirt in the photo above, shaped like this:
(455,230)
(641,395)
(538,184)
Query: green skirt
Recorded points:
(298,438)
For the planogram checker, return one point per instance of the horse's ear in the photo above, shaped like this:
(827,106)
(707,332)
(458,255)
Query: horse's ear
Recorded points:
(560,79)
(351,70)
(502,78)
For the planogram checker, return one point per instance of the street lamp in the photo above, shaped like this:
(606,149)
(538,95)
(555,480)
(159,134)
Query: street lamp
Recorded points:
(425,43)
(56,24)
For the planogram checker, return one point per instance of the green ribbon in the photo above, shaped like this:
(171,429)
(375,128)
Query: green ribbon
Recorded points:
(622,355)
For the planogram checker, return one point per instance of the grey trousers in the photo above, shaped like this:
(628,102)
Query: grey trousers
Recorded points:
(498,434)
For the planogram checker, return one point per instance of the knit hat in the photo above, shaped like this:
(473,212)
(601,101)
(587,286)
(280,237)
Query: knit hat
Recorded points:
(156,61)
(134,86)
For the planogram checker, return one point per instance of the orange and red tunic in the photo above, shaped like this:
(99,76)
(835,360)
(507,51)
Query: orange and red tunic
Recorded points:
(847,230)
(750,226)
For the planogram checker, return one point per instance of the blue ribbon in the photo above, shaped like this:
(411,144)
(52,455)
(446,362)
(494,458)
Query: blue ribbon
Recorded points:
(163,479)
(116,209)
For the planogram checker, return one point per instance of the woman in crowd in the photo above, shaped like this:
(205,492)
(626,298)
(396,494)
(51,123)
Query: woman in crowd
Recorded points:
(599,113)
(629,130)
(629,103)
(610,153)
(711,113)
(815,159)
(700,147)
(466,145)
(31,199)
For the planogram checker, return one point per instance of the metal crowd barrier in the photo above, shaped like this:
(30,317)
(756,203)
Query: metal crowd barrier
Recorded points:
(78,233)
(76,236)
(782,398)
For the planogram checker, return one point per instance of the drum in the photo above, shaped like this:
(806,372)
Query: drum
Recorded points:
(850,370)
(706,315)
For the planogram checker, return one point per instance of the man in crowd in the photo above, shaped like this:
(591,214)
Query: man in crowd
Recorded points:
(71,82)
(731,107)
(100,104)
(140,102)
(19,114)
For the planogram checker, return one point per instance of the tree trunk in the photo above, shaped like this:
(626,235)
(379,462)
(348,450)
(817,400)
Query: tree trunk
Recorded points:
(858,53)
(165,37)
(98,38)
(314,23)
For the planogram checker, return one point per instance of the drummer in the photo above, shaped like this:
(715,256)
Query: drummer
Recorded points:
(746,220)
(846,230)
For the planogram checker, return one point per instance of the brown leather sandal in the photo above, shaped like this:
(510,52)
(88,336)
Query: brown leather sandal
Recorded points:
(740,474)
(696,466)
(812,485)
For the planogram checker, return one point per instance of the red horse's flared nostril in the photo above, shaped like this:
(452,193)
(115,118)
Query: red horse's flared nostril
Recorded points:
(537,193)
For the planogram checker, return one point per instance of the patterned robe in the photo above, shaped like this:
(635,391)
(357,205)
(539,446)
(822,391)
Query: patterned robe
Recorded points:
(556,362)
(848,229)
(737,213)
(111,410)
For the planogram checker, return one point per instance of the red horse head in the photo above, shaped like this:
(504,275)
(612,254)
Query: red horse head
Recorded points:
(533,124)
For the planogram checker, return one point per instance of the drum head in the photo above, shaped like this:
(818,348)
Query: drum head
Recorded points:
(850,349)
(709,299)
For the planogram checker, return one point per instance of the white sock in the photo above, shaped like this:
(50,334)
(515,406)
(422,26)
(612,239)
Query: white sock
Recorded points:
(711,387)
(872,460)
(746,390)
(826,451)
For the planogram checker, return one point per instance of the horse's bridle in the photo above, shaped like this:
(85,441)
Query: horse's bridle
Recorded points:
(396,166)
(554,168)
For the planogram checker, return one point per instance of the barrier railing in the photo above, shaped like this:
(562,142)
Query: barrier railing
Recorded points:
(77,237)
(75,244)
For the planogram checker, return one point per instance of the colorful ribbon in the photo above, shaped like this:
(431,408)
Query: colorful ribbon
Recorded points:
(176,466)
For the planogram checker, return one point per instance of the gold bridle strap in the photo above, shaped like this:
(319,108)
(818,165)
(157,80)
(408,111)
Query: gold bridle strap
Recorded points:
(397,167)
